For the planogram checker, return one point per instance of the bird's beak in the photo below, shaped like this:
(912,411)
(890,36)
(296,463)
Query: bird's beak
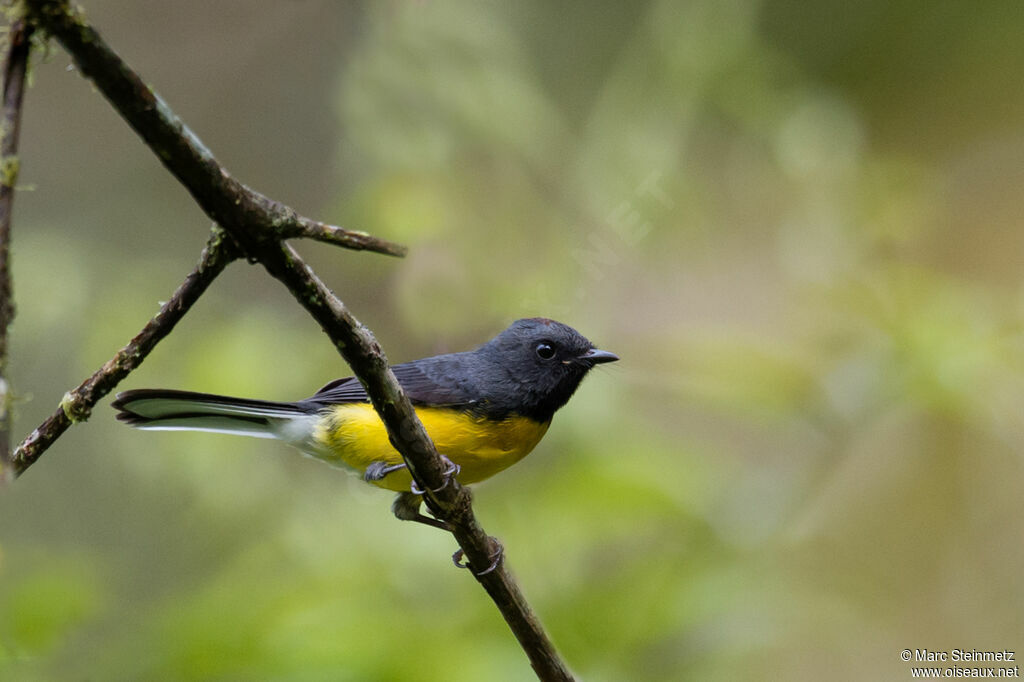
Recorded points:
(596,357)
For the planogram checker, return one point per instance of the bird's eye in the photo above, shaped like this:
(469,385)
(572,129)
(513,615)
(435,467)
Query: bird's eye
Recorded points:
(545,351)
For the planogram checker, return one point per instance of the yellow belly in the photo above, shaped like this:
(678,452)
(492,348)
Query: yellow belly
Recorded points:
(353,435)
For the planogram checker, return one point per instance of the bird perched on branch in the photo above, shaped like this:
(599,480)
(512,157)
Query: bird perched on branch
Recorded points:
(485,409)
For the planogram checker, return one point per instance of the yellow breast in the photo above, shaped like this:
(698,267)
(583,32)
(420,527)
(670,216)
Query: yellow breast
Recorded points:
(353,435)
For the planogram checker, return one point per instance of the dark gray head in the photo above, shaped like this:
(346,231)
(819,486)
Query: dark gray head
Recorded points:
(537,364)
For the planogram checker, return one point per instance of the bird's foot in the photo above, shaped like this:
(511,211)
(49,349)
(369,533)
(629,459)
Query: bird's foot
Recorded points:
(497,556)
(451,471)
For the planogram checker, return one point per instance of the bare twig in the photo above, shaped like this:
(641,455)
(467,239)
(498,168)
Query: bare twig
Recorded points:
(331,234)
(258,225)
(78,403)
(15,65)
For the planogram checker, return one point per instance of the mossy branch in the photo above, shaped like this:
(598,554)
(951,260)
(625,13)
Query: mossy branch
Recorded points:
(17,45)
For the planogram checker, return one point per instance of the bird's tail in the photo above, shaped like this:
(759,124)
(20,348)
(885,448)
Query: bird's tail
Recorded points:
(159,409)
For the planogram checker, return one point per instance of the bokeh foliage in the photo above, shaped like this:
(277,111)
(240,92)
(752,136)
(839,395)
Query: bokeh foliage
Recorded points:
(798,224)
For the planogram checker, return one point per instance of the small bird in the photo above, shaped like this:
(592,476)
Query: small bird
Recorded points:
(485,409)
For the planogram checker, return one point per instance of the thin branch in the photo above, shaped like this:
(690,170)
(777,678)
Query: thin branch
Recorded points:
(258,224)
(15,65)
(332,234)
(78,403)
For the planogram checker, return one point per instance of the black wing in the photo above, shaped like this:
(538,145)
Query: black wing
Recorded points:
(426,383)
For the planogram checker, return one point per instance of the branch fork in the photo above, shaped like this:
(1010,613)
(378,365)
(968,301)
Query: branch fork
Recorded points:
(250,225)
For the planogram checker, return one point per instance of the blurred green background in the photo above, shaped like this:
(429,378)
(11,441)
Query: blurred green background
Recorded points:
(799,225)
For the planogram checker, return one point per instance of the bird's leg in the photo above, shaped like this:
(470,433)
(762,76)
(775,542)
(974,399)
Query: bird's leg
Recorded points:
(407,508)
(379,469)
(497,555)
(376,471)
(407,505)
(451,471)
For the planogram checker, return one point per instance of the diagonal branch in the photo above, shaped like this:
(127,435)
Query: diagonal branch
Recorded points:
(258,225)
(78,403)
(15,65)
